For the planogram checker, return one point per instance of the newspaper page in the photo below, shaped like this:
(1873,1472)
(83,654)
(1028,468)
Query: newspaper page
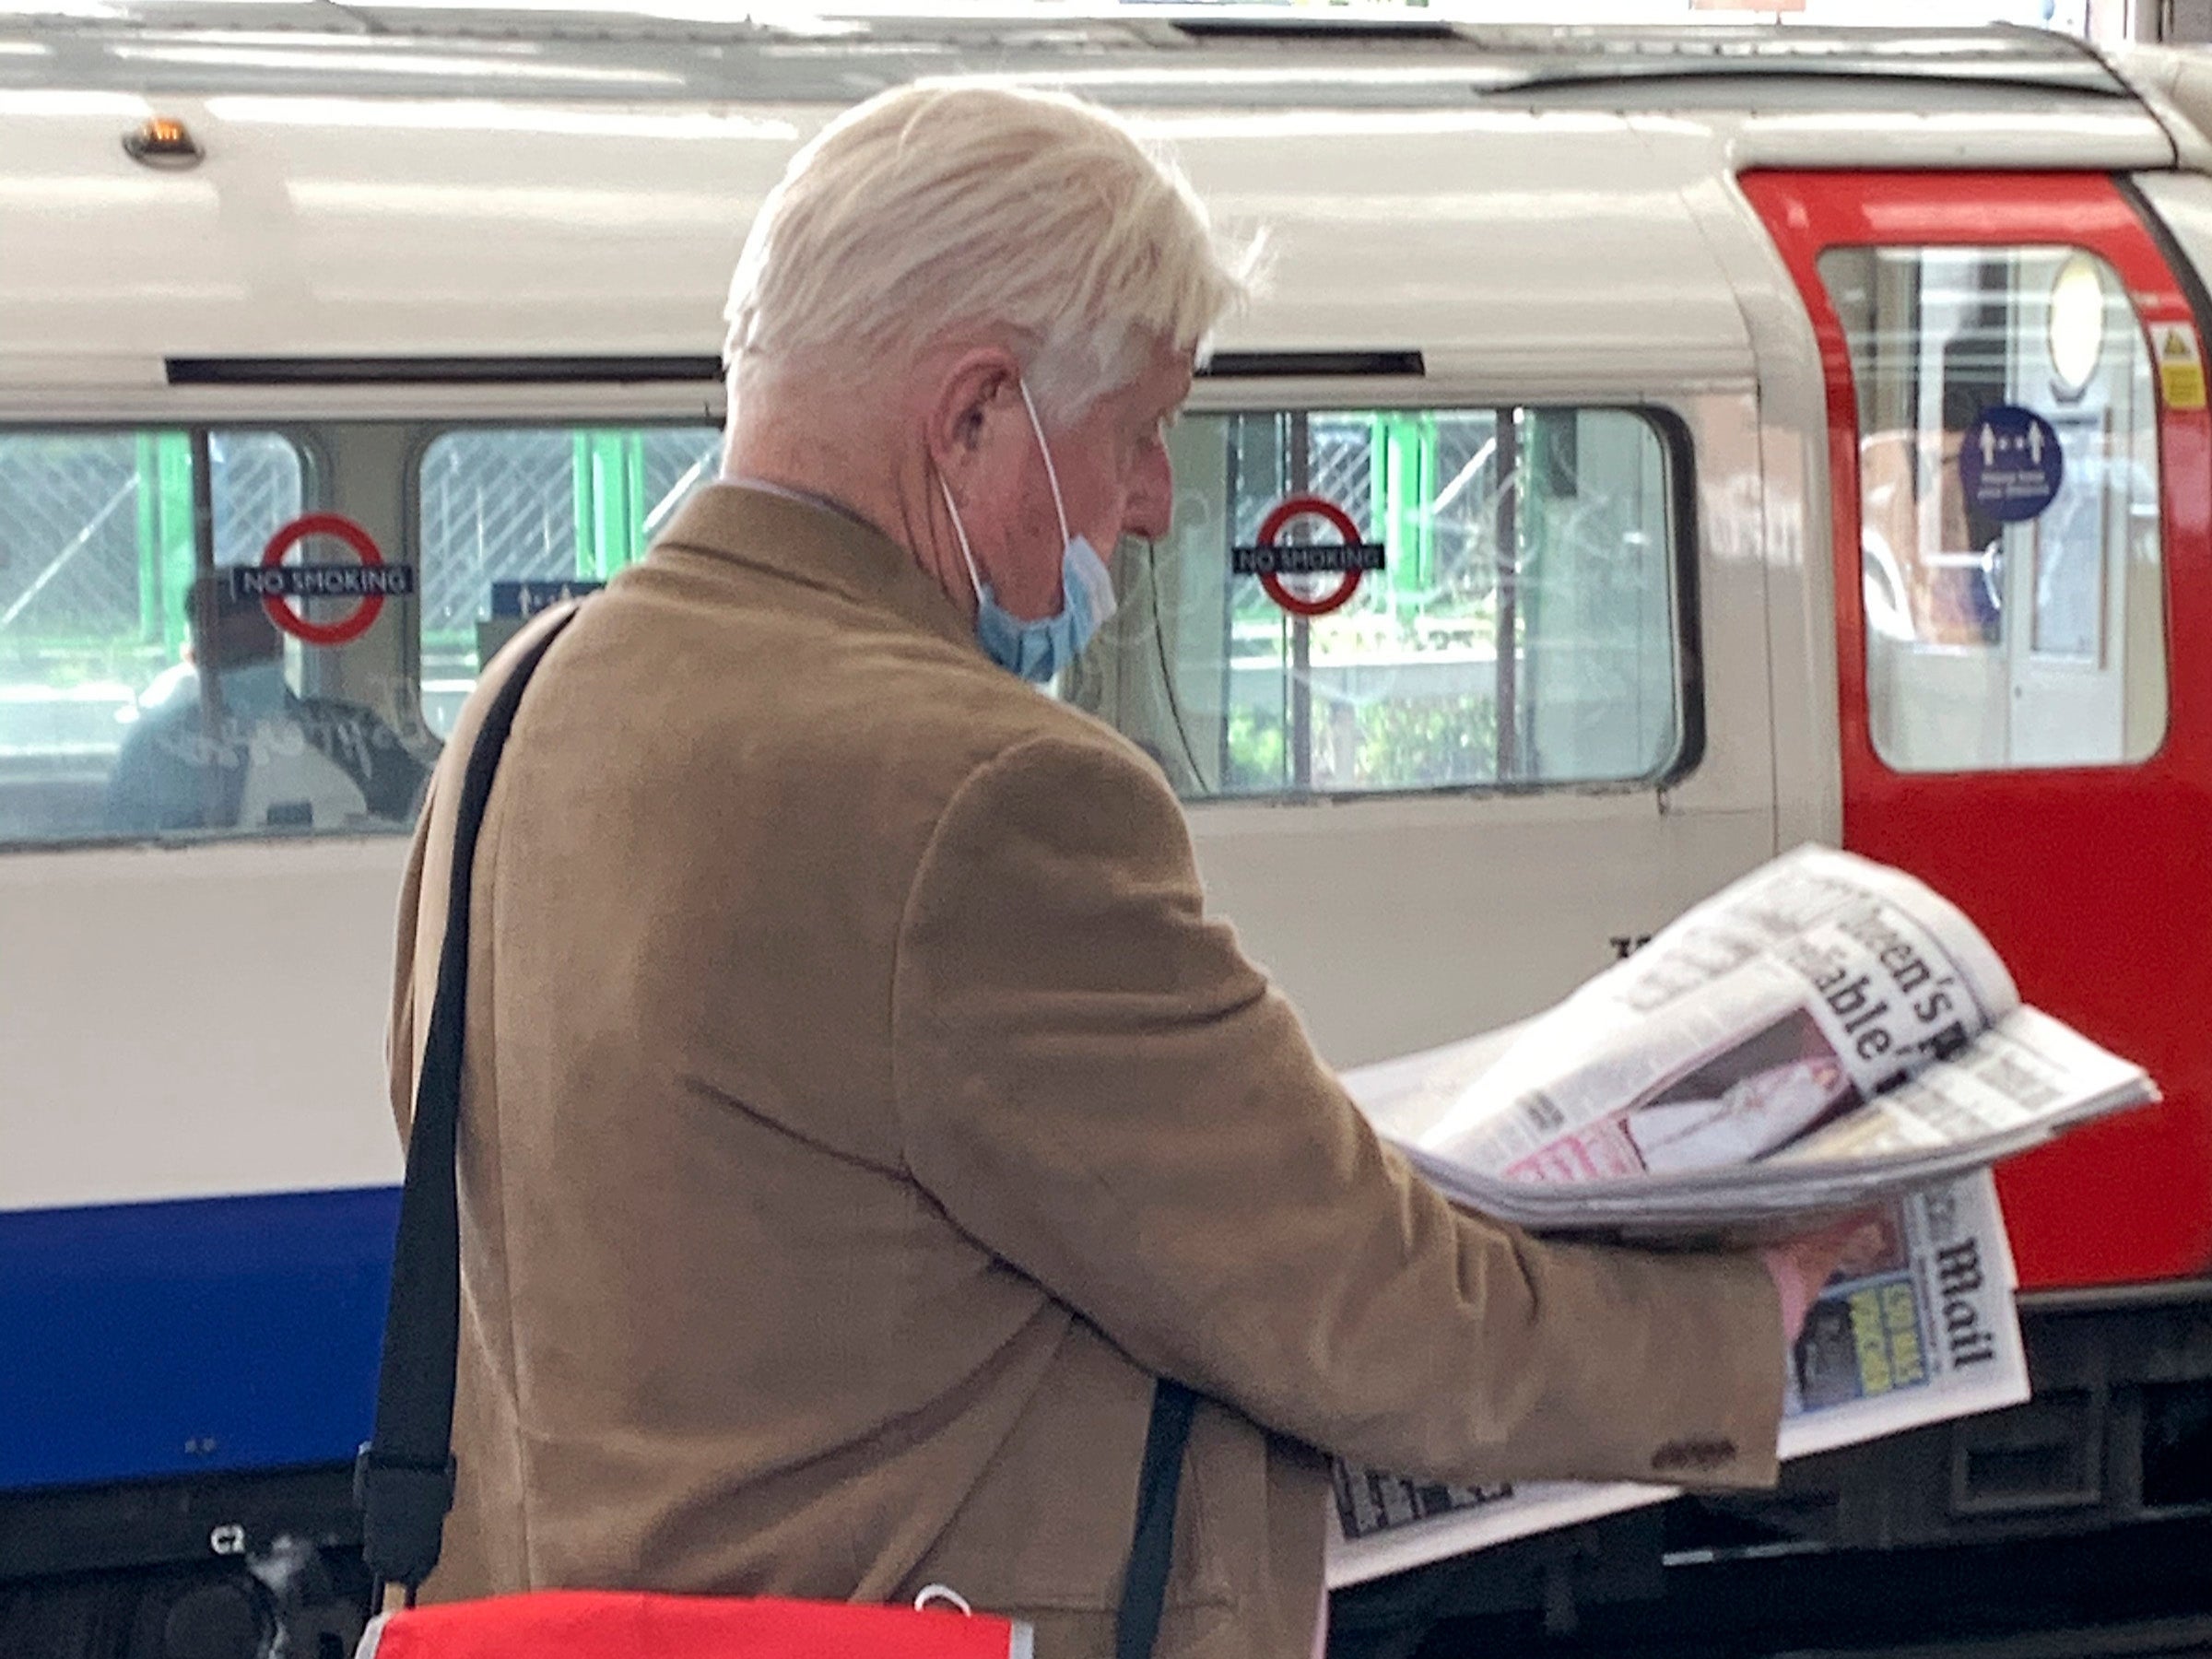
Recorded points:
(2020,1083)
(2018,1077)
(1781,1005)
(1824,1033)
(1915,1326)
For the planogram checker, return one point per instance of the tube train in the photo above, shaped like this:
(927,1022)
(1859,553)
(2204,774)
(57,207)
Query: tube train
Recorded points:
(1656,364)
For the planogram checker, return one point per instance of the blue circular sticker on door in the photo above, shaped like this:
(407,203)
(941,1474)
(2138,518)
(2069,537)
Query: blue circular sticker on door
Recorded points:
(2010,464)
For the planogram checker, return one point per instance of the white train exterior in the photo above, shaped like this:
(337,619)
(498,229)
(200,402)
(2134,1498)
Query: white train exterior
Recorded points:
(1546,318)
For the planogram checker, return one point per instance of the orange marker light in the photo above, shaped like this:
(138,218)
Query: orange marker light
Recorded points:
(161,141)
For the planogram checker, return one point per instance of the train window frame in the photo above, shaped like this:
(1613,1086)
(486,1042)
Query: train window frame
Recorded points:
(1676,442)
(1888,718)
(303,439)
(424,439)
(1667,430)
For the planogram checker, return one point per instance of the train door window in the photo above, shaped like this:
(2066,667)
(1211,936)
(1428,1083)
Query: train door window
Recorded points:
(507,517)
(108,617)
(1517,624)
(2008,479)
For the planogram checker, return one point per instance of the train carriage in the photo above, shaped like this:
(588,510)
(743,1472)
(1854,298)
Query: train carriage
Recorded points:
(1658,379)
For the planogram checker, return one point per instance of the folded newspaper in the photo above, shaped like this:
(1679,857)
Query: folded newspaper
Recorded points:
(1827,1035)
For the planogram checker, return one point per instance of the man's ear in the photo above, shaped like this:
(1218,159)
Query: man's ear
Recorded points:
(973,388)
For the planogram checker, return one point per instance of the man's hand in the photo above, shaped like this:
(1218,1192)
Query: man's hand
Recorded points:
(1800,1266)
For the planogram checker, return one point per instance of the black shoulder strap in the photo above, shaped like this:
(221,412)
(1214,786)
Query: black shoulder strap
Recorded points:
(404,1479)
(1144,1586)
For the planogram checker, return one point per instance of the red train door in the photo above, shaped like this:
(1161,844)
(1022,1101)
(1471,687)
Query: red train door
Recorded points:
(2021,467)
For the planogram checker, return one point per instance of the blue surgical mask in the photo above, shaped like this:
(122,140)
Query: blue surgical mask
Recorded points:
(1037,651)
(252,692)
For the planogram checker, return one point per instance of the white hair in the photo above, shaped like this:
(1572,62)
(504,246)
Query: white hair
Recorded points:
(949,208)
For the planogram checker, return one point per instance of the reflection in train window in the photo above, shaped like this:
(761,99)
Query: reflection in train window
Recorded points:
(2008,485)
(109,727)
(500,510)
(1521,630)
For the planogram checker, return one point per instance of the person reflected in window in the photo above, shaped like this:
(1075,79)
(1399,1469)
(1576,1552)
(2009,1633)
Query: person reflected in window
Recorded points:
(231,746)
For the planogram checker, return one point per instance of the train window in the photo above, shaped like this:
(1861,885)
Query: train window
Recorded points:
(2008,479)
(508,516)
(109,727)
(1515,625)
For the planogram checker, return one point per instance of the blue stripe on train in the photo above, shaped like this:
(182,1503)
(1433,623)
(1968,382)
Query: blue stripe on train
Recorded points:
(143,1341)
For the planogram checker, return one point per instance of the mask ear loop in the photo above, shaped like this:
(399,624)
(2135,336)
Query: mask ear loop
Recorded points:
(960,530)
(1052,473)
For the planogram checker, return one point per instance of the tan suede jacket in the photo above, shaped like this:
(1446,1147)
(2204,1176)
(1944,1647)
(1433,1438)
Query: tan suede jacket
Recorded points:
(863,1109)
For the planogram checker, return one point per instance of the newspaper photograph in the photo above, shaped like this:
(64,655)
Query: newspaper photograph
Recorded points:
(1915,1326)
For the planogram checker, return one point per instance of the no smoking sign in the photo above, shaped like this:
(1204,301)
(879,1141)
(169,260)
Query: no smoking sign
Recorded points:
(280,587)
(1271,558)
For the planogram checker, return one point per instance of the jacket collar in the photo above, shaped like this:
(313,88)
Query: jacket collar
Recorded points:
(794,539)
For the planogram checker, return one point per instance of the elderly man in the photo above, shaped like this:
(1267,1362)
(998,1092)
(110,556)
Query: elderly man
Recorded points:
(862,1109)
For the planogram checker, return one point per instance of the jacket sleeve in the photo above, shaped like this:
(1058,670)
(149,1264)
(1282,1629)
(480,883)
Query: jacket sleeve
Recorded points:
(1095,1083)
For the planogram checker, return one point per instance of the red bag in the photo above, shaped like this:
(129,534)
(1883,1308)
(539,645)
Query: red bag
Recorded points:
(626,1624)
(404,1481)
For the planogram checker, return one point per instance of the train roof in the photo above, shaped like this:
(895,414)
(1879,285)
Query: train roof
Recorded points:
(389,183)
(1148,55)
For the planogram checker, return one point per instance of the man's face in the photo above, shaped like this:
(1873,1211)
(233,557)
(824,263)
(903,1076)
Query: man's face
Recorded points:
(229,632)
(1114,479)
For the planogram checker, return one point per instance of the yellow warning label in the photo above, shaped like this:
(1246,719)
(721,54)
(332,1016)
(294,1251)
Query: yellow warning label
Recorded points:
(2180,365)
